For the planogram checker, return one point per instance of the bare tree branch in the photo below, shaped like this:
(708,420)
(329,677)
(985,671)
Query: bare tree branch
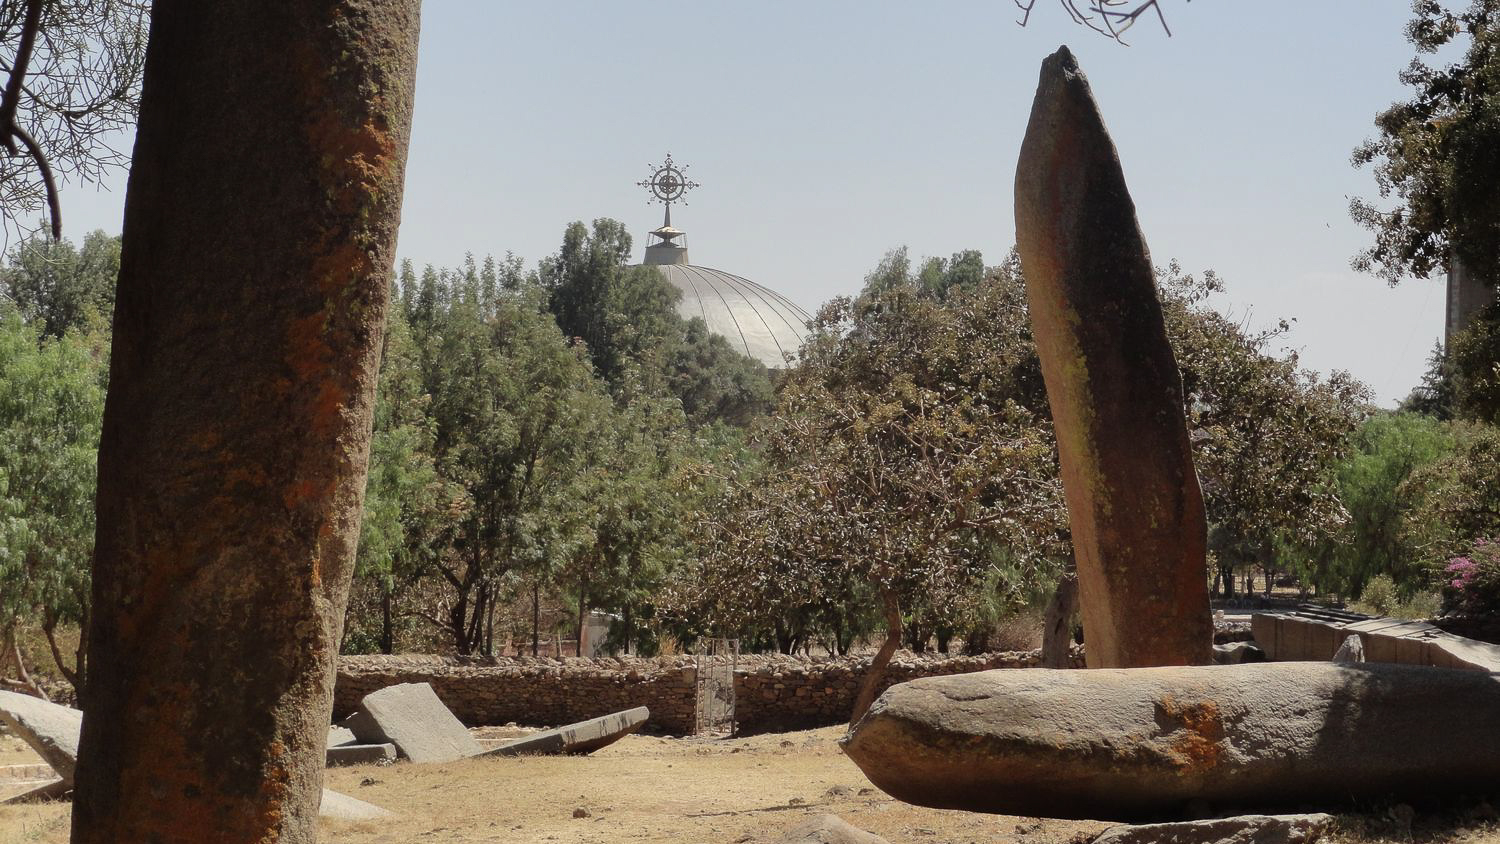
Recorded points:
(1110,18)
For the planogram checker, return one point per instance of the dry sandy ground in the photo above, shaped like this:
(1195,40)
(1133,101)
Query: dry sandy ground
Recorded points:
(652,789)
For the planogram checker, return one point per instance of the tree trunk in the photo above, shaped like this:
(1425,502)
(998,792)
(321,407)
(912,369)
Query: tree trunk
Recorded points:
(876,672)
(583,599)
(13,652)
(1057,627)
(387,626)
(259,238)
(536,618)
(74,678)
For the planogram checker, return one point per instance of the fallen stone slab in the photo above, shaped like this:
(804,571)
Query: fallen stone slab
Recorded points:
(1141,744)
(1244,829)
(829,829)
(360,754)
(50,729)
(410,716)
(582,737)
(54,790)
(340,736)
(345,808)
(1238,653)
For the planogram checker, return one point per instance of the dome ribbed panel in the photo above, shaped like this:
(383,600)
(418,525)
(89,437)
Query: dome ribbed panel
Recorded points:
(758,321)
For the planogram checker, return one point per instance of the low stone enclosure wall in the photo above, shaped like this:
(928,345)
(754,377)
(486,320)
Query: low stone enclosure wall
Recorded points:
(773,692)
(1314,634)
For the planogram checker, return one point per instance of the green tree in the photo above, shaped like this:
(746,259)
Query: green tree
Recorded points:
(1385,452)
(1436,153)
(60,286)
(1267,434)
(409,508)
(1474,368)
(1435,395)
(515,407)
(1455,500)
(627,318)
(898,455)
(51,403)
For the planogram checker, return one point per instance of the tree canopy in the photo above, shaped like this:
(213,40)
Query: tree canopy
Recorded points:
(1436,153)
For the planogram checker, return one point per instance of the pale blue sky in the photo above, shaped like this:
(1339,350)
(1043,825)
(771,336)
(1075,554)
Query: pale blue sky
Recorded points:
(826,132)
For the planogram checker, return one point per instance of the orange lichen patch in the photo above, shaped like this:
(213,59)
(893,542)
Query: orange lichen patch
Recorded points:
(1197,740)
(307,349)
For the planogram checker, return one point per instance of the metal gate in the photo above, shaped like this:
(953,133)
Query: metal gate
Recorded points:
(714,663)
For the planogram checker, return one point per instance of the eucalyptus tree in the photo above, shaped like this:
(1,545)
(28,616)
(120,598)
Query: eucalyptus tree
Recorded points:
(51,402)
(516,407)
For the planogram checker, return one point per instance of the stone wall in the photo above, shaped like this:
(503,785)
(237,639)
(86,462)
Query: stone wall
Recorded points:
(773,692)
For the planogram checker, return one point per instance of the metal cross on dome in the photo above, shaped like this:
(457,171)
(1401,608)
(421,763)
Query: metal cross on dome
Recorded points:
(668,183)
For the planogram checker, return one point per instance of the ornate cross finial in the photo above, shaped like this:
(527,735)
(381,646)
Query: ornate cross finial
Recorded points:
(667,185)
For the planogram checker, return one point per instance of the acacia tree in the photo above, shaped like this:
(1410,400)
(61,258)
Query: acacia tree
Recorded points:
(898,457)
(260,226)
(1267,435)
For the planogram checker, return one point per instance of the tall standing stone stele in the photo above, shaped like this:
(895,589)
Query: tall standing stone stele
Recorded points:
(1135,507)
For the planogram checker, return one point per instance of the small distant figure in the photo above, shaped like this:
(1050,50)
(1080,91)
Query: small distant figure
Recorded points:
(1353,650)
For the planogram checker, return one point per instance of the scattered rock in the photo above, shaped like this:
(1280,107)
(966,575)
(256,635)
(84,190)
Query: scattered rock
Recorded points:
(1238,653)
(829,829)
(837,791)
(1139,744)
(583,737)
(1352,650)
(50,729)
(796,801)
(410,716)
(345,808)
(360,754)
(1138,525)
(1245,829)
(580,812)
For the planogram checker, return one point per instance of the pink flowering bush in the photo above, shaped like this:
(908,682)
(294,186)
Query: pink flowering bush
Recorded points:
(1472,582)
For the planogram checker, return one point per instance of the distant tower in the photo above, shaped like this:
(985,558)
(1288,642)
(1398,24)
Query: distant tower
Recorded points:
(1467,296)
(755,320)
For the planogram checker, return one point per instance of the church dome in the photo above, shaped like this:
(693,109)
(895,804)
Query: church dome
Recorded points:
(756,320)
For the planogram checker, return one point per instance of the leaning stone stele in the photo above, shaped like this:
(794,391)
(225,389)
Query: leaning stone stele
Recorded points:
(51,730)
(1147,743)
(410,716)
(1134,503)
(580,738)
